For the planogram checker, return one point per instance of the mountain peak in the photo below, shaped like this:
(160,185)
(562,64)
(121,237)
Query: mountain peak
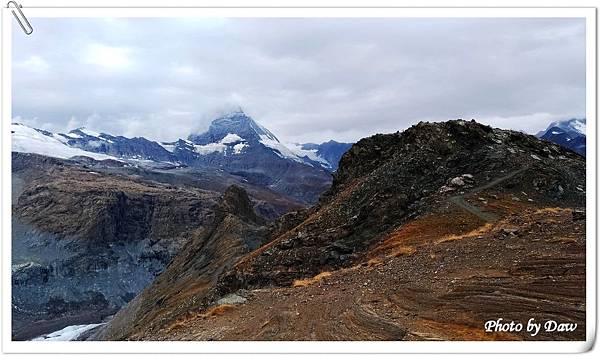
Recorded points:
(84,131)
(234,122)
(237,111)
(236,117)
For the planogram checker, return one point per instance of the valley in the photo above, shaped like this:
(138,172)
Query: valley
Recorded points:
(88,237)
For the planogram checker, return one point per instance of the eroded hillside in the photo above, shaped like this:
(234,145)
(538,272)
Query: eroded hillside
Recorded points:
(88,236)
(425,234)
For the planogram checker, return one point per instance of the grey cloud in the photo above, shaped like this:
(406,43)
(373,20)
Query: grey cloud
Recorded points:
(305,79)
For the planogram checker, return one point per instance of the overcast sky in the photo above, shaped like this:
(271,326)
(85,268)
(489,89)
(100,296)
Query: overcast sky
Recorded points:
(307,80)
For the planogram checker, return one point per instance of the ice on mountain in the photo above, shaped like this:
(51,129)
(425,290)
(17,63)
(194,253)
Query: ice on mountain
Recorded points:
(231,138)
(89,132)
(279,148)
(238,148)
(222,145)
(210,148)
(72,135)
(168,146)
(310,154)
(67,334)
(29,140)
(579,126)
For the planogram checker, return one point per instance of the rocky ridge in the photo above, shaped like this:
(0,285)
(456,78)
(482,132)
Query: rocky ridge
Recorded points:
(401,205)
(234,231)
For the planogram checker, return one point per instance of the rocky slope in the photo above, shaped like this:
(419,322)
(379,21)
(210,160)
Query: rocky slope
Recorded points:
(424,235)
(234,231)
(85,243)
(89,235)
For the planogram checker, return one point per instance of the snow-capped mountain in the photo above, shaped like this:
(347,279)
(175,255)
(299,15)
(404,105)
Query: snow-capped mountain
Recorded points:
(236,136)
(567,133)
(237,144)
(234,143)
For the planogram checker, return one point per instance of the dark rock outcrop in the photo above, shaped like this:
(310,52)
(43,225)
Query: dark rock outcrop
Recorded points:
(235,231)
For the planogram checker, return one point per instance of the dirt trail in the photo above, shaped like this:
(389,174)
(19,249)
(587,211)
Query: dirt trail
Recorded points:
(459,200)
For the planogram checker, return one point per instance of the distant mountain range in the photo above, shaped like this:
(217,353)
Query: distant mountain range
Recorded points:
(234,143)
(567,133)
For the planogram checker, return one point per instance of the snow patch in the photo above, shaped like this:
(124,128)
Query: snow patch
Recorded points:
(310,154)
(61,138)
(579,126)
(210,148)
(231,138)
(167,146)
(280,149)
(94,144)
(29,140)
(535,157)
(67,334)
(222,145)
(238,148)
(73,135)
(89,132)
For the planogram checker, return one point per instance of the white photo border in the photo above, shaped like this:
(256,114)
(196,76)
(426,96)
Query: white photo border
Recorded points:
(148,347)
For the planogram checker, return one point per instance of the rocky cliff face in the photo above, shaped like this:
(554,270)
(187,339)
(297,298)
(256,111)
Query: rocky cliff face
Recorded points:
(85,241)
(235,231)
(413,235)
(100,209)
(88,235)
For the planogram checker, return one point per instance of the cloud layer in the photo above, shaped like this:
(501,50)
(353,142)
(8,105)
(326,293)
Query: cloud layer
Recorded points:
(305,79)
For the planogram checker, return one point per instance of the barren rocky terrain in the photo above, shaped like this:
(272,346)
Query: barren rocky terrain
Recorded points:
(424,235)
(88,236)
(426,287)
